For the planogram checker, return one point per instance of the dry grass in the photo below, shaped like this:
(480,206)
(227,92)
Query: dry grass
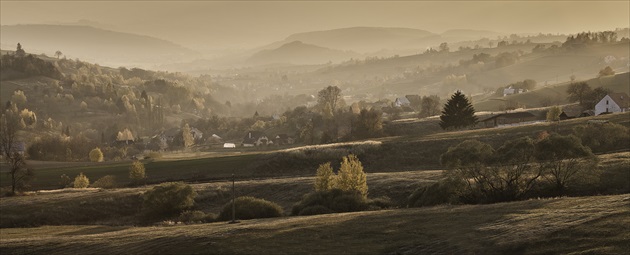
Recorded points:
(121,206)
(595,225)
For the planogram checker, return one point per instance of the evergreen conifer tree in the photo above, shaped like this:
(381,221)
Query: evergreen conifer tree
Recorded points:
(458,113)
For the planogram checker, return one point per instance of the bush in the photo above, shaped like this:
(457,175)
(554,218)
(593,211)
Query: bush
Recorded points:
(603,137)
(251,208)
(137,172)
(96,155)
(81,181)
(334,200)
(196,217)
(105,182)
(315,210)
(168,199)
(446,191)
(65,181)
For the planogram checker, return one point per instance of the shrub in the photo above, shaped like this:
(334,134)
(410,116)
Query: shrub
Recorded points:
(168,199)
(251,208)
(446,191)
(315,210)
(81,181)
(136,171)
(65,181)
(96,155)
(336,200)
(196,217)
(105,182)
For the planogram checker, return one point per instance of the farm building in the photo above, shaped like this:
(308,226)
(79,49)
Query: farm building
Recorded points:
(402,101)
(574,111)
(613,102)
(508,119)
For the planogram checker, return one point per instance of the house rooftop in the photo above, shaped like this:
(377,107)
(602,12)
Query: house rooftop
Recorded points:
(621,99)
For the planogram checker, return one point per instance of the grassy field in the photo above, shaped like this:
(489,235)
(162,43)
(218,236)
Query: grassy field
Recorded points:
(157,171)
(585,225)
(121,206)
(390,154)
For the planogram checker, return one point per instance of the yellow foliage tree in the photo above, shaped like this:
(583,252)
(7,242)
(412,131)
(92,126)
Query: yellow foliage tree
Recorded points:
(81,181)
(351,176)
(325,179)
(137,171)
(96,155)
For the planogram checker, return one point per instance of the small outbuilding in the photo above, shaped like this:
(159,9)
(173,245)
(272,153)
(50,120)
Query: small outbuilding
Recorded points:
(508,119)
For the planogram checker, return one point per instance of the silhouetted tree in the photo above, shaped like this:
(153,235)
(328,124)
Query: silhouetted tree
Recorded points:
(458,113)
(329,99)
(578,92)
(607,71)
(19,174)
(19,51)
(58,54)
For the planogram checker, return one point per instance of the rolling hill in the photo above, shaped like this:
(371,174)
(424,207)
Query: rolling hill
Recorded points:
(297,52)
(93,44)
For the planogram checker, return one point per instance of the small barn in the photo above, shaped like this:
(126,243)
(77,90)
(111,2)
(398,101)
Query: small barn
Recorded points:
(508,119)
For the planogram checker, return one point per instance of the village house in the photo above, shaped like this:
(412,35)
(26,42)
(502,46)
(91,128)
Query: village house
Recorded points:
(613,102)
(510,90)
(283,139)
(401,101)
(255,138)
(508,119)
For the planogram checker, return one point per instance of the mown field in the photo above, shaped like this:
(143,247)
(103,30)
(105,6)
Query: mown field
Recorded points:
(584,225)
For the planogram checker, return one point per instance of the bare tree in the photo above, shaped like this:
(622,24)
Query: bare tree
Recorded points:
(20,175)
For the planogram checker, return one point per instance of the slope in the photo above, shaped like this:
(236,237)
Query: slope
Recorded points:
(564,225)
(94,44)
(297,52)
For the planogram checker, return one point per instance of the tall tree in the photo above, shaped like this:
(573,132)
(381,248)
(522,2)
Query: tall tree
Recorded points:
(429,106)
(19,51)
(187,136)
(58,54)
(20,175)
(578,92)
(330,99)
(458,113)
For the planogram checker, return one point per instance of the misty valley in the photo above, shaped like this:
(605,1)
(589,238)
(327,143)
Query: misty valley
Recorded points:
(207,136)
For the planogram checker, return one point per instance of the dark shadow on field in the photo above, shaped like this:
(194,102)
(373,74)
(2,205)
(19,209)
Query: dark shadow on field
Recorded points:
(431,230)
(94,230)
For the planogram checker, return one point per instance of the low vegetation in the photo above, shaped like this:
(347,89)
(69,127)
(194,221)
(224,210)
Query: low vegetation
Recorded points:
(168,199)
(250,208)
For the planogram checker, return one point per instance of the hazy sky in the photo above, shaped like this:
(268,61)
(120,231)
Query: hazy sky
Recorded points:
(219,24)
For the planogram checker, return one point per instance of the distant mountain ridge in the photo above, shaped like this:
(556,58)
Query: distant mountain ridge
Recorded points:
(95,44)
(297,52)
(366,40)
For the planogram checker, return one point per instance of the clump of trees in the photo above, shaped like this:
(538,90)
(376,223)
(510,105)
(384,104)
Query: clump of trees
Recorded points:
(519,169)
(458,113)
(345,191)
(587,97)
(350,177)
